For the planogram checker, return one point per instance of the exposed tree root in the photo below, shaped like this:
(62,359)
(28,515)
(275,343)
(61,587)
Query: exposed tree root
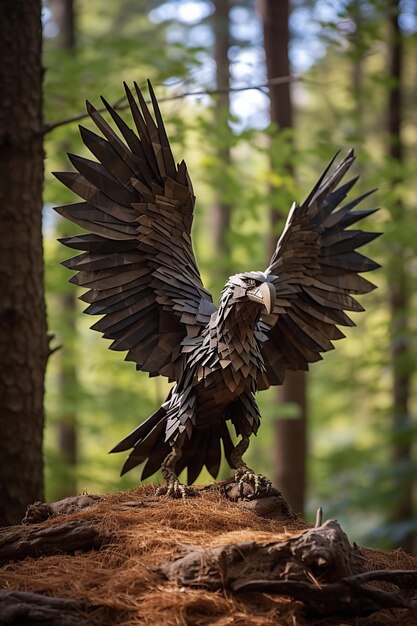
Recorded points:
(346,597)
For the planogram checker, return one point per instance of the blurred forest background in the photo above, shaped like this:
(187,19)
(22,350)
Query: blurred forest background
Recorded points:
(257,97)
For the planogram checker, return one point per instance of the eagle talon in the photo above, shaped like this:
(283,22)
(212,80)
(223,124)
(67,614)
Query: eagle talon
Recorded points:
(260,486)
(175,489)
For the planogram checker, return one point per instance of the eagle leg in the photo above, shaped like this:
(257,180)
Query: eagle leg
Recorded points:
(251,485)
(173,488)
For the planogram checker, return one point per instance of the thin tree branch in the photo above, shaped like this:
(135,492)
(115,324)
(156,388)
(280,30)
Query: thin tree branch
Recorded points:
(121,104)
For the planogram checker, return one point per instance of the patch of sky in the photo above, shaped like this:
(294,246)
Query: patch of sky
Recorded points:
(49,219)
(187,11)
(49,27)
(243,25)
(408,16)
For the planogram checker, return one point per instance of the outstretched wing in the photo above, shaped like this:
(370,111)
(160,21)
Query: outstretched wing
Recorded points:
(138,263)
(317,269)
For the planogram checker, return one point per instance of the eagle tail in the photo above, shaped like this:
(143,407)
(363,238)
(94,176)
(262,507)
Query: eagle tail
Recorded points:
(147,441)
(202,448)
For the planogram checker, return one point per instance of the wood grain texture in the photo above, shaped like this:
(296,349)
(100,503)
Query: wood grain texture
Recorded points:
(142,277)
(23,607)
(323,553)
(23,338)
(18,542)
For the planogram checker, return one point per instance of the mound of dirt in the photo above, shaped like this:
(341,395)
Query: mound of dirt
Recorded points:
(104,564)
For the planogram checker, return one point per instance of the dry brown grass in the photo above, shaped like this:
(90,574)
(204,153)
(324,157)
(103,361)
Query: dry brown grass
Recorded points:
(119,579)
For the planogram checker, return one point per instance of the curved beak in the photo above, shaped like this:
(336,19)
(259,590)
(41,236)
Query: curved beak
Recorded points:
(264,294)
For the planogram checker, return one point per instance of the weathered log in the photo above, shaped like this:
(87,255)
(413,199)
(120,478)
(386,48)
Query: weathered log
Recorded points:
(322,553)
(345,597)
(18,542)
(21,607)
(40,511)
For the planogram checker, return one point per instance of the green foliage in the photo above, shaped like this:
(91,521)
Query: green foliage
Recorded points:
(340,101)
(346,97)
(85,382)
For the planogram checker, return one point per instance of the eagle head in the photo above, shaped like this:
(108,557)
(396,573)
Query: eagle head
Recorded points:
(253,286)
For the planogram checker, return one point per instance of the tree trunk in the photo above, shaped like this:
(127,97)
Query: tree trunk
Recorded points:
(399,297)
(357,37)
(23,336)
(64,16)
(222,210)
(67,425)
(290,445)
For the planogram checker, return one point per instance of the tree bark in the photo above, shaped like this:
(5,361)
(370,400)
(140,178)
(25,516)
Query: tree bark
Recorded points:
(222,210)
(40,511)
(18,542)
(357,37)
(323,552)
(291,441)
(318,567)
(22,607)
(64,15)
(67,424)
(347,597)
(399,295)
(23,335)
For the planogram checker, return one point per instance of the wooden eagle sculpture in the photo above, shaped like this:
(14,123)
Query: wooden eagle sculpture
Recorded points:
(142,278)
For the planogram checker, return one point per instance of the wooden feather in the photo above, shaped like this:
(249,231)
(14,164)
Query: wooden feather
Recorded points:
(138,265)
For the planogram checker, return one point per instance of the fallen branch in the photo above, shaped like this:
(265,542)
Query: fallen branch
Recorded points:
(18,542)
(347,597)
(21,607)
(41,511)
(318,567)
(322,553)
